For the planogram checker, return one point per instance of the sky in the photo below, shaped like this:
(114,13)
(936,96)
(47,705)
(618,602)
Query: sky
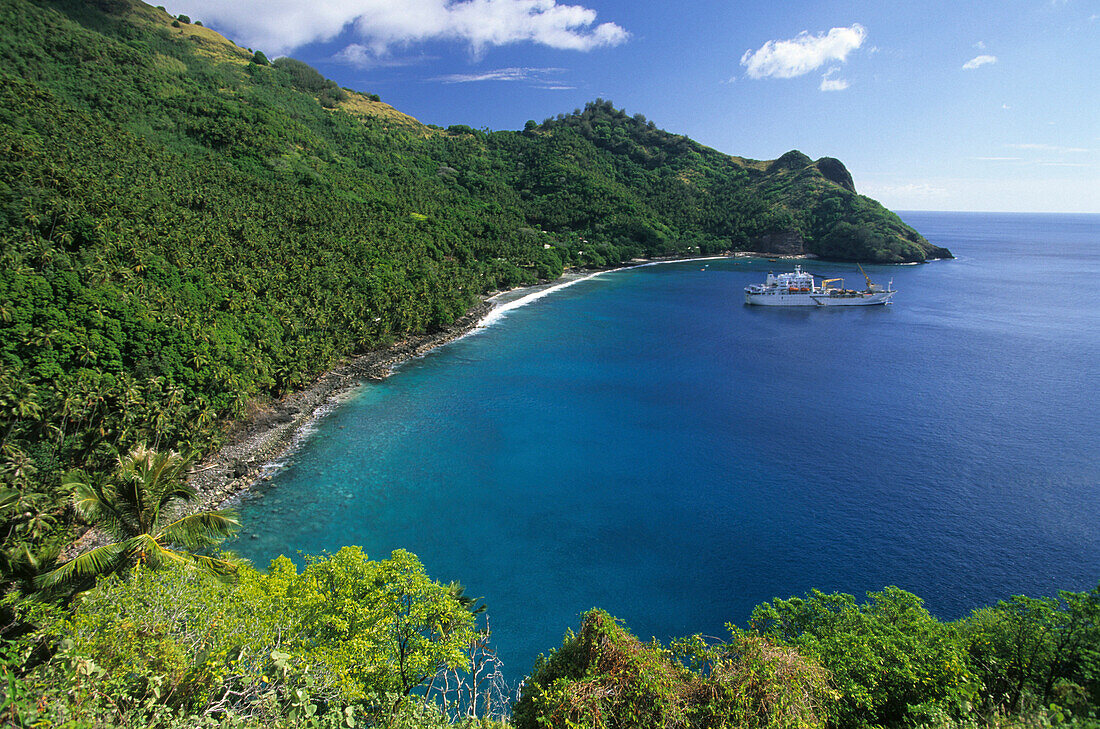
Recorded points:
(982,105)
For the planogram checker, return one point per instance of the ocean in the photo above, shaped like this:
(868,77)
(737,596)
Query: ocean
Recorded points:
(643,442)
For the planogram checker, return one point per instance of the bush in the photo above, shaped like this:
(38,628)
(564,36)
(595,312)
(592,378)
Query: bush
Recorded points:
(304,77)
(271,646)
(753,683)
(330,97)
(884,656)
(605,677)
(1031,653)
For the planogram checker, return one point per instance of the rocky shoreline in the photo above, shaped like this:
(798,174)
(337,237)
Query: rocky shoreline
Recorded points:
(269,433)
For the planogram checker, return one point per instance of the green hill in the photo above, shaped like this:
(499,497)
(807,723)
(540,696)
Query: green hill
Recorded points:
(186,228)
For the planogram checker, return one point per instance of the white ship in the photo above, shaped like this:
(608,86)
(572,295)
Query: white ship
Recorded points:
(798,289)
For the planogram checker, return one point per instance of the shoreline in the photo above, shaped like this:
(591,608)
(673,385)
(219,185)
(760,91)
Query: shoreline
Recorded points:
(275,430)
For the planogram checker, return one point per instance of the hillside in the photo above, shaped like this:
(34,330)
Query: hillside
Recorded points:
(188,229)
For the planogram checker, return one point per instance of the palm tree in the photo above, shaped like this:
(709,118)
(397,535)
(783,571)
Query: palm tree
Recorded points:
(142,509)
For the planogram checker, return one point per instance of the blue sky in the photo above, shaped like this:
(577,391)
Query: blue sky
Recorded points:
(987,105)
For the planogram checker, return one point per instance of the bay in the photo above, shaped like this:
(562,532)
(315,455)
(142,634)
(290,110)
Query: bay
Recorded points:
(643,442)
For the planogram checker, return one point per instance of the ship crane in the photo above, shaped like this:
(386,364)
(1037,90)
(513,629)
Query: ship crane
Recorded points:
(870,286)
(865,276)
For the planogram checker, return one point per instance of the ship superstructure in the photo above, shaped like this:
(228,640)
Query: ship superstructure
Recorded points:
(799,289)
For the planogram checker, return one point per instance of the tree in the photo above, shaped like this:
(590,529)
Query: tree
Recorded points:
(886,655)
(428,625)
(142,508)
(381,626)
(1023,648)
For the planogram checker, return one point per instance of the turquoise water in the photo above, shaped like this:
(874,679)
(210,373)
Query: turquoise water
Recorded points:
(643,442)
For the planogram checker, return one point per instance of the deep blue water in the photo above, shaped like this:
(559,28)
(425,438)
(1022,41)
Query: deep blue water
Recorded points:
(645,443)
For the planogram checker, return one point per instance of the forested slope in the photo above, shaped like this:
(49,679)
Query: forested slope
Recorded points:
(186,228)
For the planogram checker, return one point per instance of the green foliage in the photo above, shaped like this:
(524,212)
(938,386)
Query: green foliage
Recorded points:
(601,678)
(1033,653)
(344,632)
(605,677)
(379,627)
(751,682)
(304,77)
(885,655)
(141,509)
(827,660)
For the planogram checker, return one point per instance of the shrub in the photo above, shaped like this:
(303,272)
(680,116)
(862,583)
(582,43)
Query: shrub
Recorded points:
(753,683)
(302,76)
(605,677)
(330,97)
(884,656)
(344,630)
(1029,653)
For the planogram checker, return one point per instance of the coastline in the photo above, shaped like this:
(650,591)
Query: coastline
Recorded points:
(277,429)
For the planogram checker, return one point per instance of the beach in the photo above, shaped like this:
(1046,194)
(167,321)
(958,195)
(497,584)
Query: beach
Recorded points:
(272,431)
(269,433)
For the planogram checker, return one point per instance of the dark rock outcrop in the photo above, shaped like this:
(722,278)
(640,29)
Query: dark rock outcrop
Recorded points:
(781,242)
(834,170)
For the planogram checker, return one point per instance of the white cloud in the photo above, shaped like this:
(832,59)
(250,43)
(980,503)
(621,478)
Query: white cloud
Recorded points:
(828,83)
(978,61)
(980,45)
(803,53)
(278,26)
(922,191)
(1049,148)
(540,76)
(357,54)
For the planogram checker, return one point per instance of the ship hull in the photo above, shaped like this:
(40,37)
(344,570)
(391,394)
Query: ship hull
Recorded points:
(809,299)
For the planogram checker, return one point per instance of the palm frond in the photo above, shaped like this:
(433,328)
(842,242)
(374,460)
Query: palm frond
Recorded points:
(201,529)
(9,497)
(152,480)
(145,487)
(97,504)
(154,554)
(220,568)
(87,497)
(99,561)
